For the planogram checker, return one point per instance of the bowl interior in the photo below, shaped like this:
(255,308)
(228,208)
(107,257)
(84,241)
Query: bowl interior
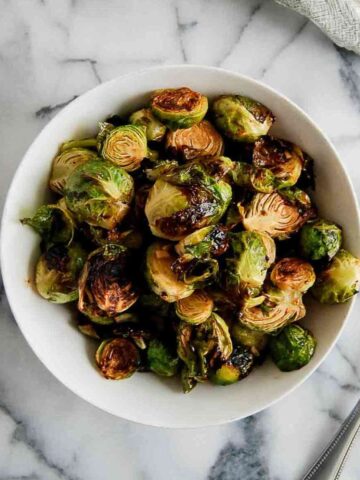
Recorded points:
(49,329)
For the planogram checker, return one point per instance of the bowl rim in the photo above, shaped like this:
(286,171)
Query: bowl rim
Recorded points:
(11,193)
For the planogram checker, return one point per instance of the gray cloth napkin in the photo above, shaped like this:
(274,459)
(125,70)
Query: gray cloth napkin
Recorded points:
(339,19)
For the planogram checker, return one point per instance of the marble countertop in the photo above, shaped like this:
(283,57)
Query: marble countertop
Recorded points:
(52,51)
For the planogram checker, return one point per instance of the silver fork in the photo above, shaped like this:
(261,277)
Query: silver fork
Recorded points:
(331,462)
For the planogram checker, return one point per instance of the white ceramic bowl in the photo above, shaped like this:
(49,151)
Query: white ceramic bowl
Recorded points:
(48,328)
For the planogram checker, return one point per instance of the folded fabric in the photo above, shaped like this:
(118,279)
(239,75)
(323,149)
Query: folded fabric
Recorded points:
(339,19)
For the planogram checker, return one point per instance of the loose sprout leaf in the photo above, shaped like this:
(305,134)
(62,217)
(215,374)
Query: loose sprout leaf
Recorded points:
(161,361)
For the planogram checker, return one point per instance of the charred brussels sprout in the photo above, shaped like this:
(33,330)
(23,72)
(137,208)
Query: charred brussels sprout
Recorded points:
(241,118)
(99,193)
(200,140)
(284,159)
(293,348)
(53,223)
(117,358)
(294,274)
(57,272)
(272,310)
(253,178)
(254,340)
(125,146)
(196,308)
(247,264)
(179,107)
(218,168)
(160,359)
(198,272)
(155,130)
(106,286)
(185,200)
(320,240)
(237,367)
(339,281)
(271,213)
(161,278)
(64,164)
(202,243)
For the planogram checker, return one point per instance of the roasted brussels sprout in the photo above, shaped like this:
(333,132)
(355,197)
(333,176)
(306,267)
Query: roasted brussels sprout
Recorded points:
(256,341)
(320,240)
(196,308)
(155,130)
(160,168)
(339,281)
(198,272)
(117,358)
(82,143)
(160,359)
(284,159)
(125,146)
(185,200)
(200,140)
(161,278)
(63,165)
(272,214)
(57,272)
(247,264)
(272,310)
(241,118)
(253,178)
(237,367)
(53,223)
(99,193)
(106,287)
(222,335)
(293,273)
(218,168)
(211,240)
(179,107)
(293,348)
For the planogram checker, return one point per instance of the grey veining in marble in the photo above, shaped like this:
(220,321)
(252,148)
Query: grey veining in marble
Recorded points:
(52,51)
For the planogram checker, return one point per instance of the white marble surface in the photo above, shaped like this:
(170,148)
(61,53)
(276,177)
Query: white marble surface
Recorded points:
(51,51)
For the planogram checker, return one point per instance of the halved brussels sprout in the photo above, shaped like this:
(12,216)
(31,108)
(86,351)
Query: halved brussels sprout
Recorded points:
(272,214)
(155,130)
(82,143)
(125,146)
(161,278)
(196,308)
(272,310)
(284,159)
(222,336)
(160,359)
(160,168)
(293,348)
(117,358)
(200,140)
(57,272)
(237,367)
(185,200)
(106,287)
(293,273)
(241,118)
(253,178)
(247,264)
(207,241)
(179,107)
(320,240)
(99,193)
(197,272)
(53,223)
(252,339)
(63,165)
(339,281)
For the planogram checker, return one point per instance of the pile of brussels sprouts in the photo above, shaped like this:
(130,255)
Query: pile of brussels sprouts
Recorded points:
(185,239)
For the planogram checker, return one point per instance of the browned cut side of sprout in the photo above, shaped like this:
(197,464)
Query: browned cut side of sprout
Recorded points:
(200,140)
(293,273)
(272,214)
(117,358)
(195,309)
